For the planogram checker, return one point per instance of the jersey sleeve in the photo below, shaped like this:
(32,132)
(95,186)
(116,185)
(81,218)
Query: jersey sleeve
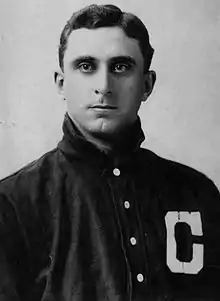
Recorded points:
(13,252)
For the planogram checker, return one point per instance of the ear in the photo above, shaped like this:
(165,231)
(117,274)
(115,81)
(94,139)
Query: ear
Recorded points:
(59,81)
(149,81)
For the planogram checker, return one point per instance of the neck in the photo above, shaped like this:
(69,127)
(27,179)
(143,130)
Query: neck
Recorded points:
(116,143)
(107,143)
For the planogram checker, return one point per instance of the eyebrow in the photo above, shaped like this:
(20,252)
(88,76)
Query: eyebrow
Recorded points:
(122,58)
(83,58)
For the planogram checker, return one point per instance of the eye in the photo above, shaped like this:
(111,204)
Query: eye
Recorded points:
(86,67)
(121,67)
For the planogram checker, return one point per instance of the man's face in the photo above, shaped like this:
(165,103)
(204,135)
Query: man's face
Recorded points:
(103,79)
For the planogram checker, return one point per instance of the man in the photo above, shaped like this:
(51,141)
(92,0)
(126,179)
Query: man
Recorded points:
(98,217)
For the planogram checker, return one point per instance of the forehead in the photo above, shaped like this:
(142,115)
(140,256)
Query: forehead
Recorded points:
(102,43)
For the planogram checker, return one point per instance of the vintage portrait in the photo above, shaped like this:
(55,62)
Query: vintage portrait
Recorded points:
(109,143)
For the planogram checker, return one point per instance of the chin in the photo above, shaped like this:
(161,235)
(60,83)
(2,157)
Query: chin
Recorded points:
(105,127)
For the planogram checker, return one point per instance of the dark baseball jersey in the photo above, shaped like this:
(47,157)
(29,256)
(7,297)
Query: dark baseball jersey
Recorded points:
(79,224)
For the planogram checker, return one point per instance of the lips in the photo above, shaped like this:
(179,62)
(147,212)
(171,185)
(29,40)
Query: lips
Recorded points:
(104,107)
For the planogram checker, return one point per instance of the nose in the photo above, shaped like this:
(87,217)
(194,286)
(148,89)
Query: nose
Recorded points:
(103,83)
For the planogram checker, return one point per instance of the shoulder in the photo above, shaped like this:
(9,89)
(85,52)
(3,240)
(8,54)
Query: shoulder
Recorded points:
(31,173)
(176,174)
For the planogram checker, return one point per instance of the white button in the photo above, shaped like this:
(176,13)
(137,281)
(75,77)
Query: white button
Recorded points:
(133,241)
(127,204)
(116,172)
(140,278)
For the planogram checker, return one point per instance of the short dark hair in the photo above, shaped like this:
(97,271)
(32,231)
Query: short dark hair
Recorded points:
(96,16)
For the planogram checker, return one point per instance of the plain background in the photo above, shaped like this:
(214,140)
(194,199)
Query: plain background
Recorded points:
(181,119)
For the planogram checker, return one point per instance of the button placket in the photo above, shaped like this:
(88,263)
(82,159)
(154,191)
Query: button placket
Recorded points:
(131,230)
(135,250)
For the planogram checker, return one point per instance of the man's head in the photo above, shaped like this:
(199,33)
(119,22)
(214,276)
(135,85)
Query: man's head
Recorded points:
(104,56)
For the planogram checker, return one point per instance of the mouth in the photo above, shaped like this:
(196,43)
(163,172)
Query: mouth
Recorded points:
(103,107)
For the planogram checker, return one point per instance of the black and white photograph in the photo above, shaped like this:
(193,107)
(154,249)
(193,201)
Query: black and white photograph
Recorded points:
(109,150)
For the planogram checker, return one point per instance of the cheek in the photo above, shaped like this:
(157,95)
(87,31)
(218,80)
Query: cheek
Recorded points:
(131,95)
(75,89)
(131,88)
(132,82)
